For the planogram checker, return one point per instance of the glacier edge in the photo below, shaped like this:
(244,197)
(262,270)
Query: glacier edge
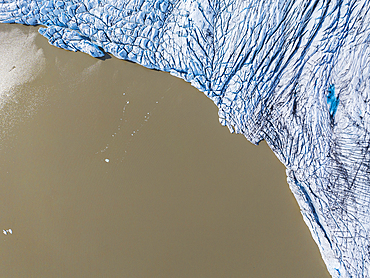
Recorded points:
(293,73)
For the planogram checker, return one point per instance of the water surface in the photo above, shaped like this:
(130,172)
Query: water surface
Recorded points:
(111,170)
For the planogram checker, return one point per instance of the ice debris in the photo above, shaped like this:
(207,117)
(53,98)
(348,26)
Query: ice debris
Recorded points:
(294,73)
(8,232)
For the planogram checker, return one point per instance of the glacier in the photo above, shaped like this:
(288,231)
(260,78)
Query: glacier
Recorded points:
(293,73)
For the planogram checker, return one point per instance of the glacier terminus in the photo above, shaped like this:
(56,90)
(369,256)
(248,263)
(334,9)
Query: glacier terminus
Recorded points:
(293,73)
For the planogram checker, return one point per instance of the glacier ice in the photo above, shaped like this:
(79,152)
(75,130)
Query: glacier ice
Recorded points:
(293,73)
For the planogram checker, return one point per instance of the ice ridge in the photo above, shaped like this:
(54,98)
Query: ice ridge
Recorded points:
(293,73)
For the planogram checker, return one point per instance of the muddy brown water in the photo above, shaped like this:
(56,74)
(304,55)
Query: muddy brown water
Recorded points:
(108,169)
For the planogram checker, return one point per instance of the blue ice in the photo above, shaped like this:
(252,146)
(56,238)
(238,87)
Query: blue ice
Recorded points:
(267,66)
(333,101)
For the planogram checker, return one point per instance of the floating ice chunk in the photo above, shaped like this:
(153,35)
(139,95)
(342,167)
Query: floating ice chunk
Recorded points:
(8,232)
